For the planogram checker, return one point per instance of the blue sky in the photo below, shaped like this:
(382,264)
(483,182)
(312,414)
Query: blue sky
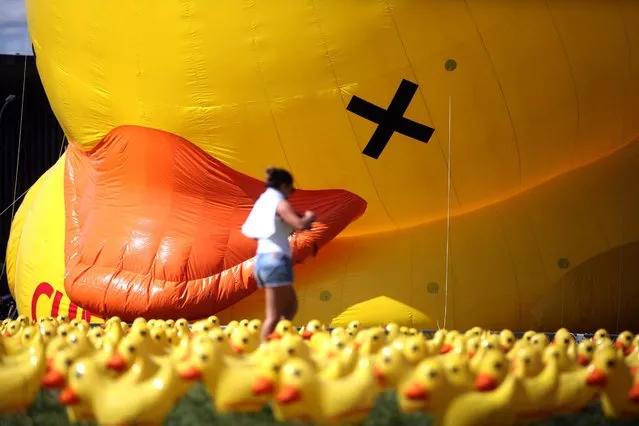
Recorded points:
(14,35)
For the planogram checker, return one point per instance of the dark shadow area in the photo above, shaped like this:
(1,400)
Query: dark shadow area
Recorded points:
(591,291)
(41,140)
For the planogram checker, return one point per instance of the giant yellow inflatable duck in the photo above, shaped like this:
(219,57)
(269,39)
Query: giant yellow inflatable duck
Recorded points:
(173,110)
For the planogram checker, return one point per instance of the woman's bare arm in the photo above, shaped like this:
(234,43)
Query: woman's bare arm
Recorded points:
(288,215)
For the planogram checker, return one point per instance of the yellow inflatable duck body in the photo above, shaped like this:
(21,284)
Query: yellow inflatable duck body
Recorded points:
(490,402)
(306,396)
(172,115)
(124,399)
(21,373)
(234,387)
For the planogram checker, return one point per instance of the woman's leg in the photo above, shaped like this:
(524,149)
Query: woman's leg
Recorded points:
(277,300)
(290,310)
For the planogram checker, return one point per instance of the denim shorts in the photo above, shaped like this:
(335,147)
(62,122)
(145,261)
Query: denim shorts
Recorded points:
(273,270)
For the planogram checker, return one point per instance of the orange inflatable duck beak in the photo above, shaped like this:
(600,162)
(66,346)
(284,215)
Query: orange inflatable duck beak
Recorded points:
(53,379)
(416,392)
(486,383)
(117,363)
(288,394)
(153,227)
(69,397)
(263,386)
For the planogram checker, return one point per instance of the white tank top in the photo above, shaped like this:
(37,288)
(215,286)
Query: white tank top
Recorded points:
(278,242)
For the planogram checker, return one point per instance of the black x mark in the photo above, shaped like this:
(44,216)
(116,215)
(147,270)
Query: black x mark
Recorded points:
(391,120)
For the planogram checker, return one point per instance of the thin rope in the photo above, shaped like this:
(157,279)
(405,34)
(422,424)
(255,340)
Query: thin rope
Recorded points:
(62,146)
(15,183)
(448,215)
(13,204)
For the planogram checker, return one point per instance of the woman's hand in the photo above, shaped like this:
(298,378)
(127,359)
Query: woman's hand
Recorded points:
(309,217)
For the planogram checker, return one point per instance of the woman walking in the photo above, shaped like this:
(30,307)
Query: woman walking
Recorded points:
(271,221)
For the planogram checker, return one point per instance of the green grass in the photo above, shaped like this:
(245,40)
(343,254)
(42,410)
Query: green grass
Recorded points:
(195,409)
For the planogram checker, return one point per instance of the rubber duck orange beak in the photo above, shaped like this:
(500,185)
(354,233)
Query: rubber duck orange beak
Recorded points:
(274,336)
(307,334)
(53,379)
(416,392)
(117,363)
(583,360)
(177,166)
(470,354)
(620,345)
(191,373)
(288,394)
(633,394)
(485,382)
(505,349)
(379,375)
(237,349)
(263,386)
(597,378)
(68,397)
(445,349)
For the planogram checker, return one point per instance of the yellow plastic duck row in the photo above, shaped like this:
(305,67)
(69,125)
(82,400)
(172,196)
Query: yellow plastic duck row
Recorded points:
(134,374)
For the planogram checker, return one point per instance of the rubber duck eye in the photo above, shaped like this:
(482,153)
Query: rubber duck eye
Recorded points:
(276,368)
(489,346)
(589,348)
(297,373)
(143,333)
(47,333)
(245,340)
(157,337)
(290,351)
(414,348)
(204,357)
(432,374)
(387,359)
(375,337)
(131,348)
(527,360)
(27,336)
(498,366)
(509,340)
(63,333)
(205,328)
(68,362)
(285,328)
(220,338)
(78,374)
(340,345)
(610,363)
(566,340)
(170,339)
(455,369)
